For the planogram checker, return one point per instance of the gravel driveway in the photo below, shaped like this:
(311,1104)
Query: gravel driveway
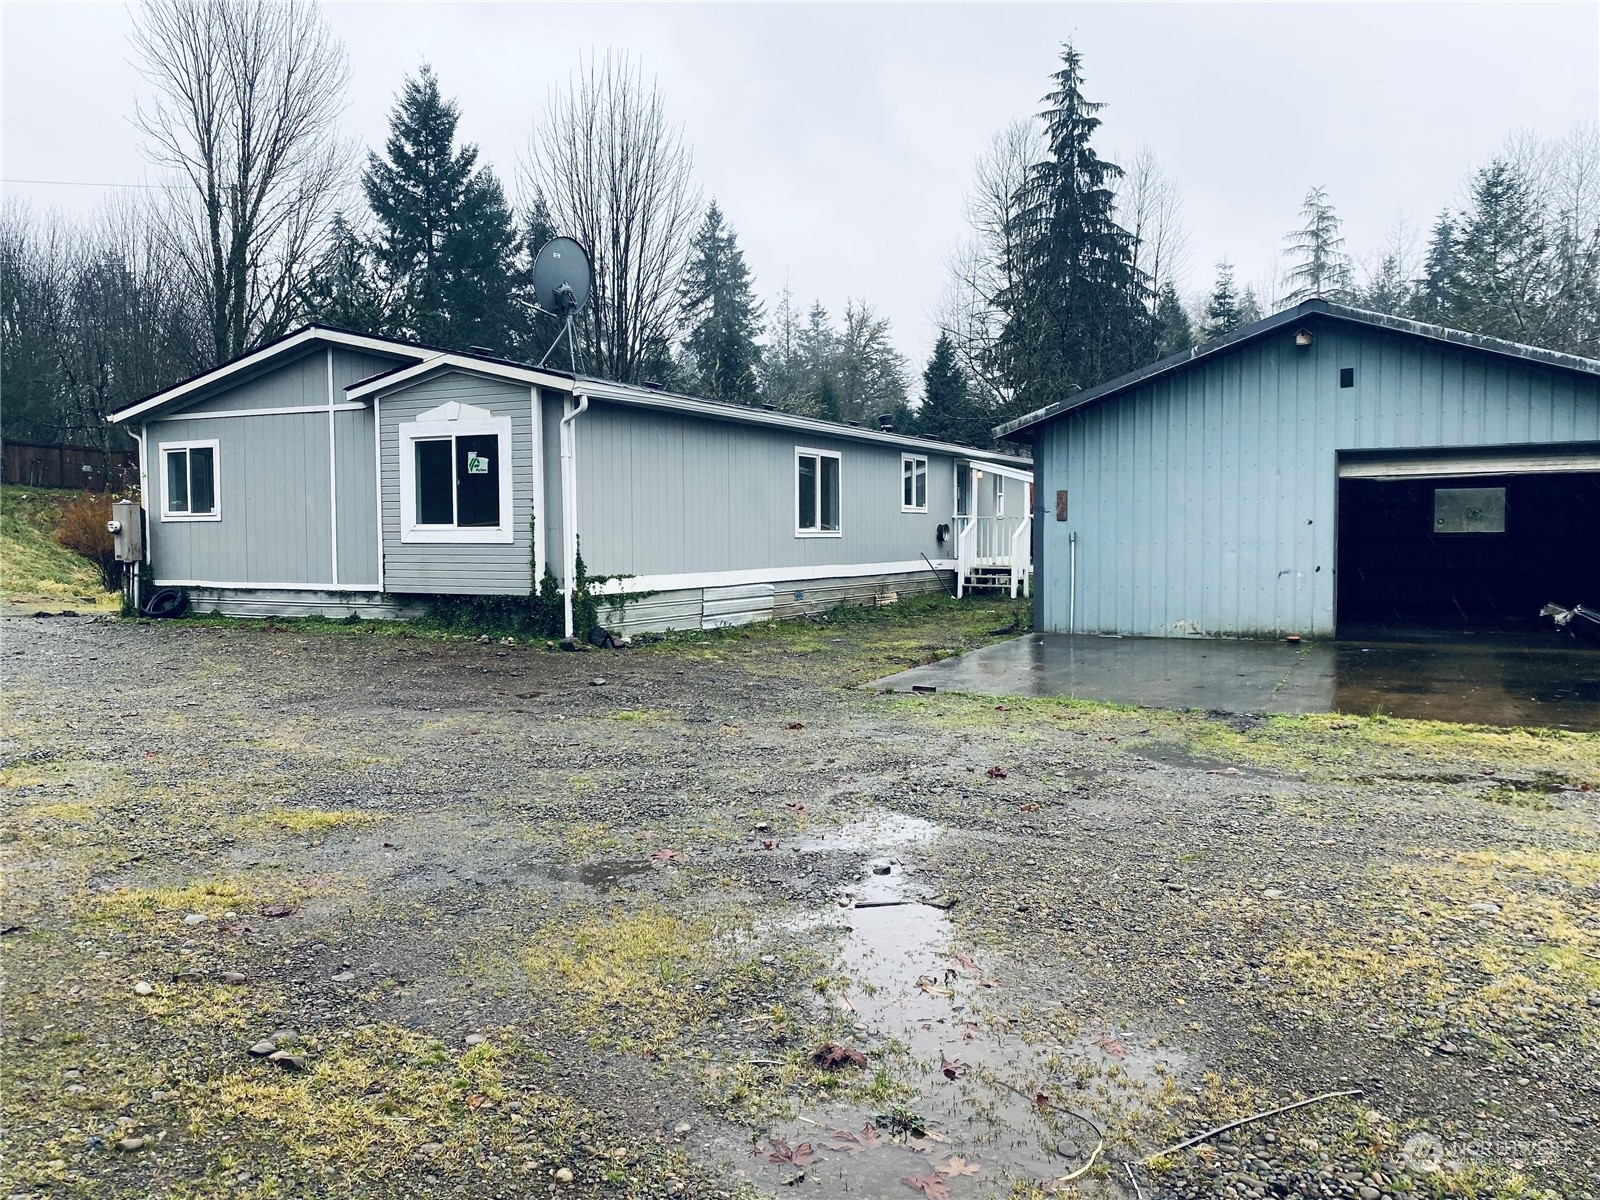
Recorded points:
(329,911)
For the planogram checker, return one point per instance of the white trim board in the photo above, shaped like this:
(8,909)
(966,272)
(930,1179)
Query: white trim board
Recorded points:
(419,372)
(714,579)
(447,422)
(267,354)
(1487,462)
(295,411)
(266,587)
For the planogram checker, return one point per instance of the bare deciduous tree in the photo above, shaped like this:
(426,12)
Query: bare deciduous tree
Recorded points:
(1150,207)
(982,266)
(618,177)
(246,98)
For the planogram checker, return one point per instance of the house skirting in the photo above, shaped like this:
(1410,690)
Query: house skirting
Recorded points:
(715,607)
(287,602)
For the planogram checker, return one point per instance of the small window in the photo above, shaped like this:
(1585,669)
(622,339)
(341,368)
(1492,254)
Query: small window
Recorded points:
(999,495)
(189,481)
(1347,377)
(816,493)
(455,477)
(913,483)
(458,482)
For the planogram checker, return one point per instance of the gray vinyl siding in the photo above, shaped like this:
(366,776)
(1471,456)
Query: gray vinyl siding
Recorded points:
(272,487)
(550,535)
(469,568)
(358,497)
(1204,502)
(663,494)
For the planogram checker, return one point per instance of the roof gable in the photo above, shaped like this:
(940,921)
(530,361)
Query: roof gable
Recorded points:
(1323,309)
(261,360)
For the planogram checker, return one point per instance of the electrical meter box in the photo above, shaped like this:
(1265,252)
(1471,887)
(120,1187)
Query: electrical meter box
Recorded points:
(127,531)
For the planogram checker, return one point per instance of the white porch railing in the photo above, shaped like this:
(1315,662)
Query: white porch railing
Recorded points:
(991,545)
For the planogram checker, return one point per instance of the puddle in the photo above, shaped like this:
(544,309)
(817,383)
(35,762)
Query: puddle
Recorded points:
(1177,756)
(600,874)
(935,1019)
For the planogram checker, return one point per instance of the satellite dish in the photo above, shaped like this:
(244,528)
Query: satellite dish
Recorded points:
(561,277)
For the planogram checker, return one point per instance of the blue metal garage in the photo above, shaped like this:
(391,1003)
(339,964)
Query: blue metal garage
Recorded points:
(1323,468)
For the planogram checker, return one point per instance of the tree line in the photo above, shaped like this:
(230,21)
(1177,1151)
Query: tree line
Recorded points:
(1073,270)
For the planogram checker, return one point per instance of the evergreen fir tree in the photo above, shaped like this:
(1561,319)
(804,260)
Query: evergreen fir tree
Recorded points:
(536,332)
(343,288)
(1388,291)
(1502,259)
(1174,332)
(950,412)
(1222,309)
(1075,313)
(1249,307)
(1435,294)
(446,241)
(722,314)
(1316,250)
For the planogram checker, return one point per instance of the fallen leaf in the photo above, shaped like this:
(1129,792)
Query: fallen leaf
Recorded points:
(969,1030)
(1002,708)
(989,983)
(931,1185)
(780,1151)
(831,1056)
(964,961)
(953,1068)
(1226,771)
(769,845)
(1112,1045)
(996,773)
(277,910)
(932,988)
(847,1142)
(795,725)
(956,1165)
(665,855)
(1030,808)
(477,1101)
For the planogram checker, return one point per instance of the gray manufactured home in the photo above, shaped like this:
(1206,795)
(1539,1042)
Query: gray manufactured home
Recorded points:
(1323,470)
(334,473)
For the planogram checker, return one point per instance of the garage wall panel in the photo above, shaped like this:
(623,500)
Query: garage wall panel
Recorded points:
(1205,502)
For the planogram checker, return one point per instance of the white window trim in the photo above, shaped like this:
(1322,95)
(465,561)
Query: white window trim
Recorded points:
(216,479)
(914,458)
(1000,496)
(421,431)
(807,452)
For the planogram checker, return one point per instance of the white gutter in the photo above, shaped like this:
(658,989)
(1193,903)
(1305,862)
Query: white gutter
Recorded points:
(569,503)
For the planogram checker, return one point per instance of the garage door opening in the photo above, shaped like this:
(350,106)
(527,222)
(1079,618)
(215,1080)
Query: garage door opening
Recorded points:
(1464,552)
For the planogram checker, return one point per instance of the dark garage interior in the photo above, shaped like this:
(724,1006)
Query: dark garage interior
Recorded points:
(1466,553)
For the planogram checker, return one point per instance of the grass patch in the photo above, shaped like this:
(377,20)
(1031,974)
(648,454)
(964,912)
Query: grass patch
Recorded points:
(320,820)
(32,565)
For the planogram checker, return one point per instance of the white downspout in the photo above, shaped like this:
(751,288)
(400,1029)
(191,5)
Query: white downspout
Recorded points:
(569,504)
(1072,582)
(333,482)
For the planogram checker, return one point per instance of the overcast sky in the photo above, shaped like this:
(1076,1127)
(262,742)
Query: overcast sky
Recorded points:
(840,139)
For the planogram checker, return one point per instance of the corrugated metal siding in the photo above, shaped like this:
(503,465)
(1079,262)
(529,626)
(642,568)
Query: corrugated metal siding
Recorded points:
(472,568)
(273,490)
(665,494)
(1205,502)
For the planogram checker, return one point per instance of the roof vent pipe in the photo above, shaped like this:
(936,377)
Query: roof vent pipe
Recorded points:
(486,351)
(853,424)
(770,407)
(653,384)
(886,422)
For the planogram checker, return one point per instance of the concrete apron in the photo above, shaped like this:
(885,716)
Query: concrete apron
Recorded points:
(1489,682)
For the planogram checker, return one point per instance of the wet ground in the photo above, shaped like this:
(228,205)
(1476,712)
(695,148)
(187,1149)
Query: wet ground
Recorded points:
(1495,679)
(705,918)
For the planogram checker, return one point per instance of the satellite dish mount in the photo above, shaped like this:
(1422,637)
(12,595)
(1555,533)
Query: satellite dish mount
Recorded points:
(561,284)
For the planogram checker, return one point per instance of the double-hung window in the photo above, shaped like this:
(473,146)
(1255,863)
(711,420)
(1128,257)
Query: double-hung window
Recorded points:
(189,481)
(816,493)
(455,476)
(913,483)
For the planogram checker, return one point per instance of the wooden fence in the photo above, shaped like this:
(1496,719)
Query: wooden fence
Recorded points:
(69,467)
